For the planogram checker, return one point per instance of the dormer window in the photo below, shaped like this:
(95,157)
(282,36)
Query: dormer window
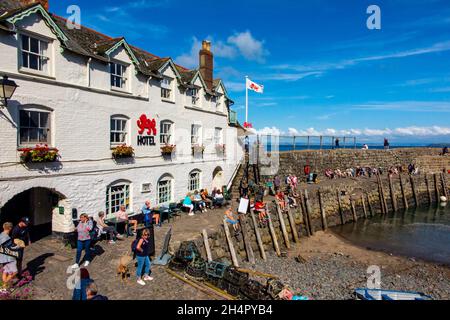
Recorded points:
(193,93)
(166,89)
(34,54)
(118,72)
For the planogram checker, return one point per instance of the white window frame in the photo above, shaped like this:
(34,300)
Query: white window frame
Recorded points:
(165,190)
(120,193)
(195,181)
(43,55)
(23,126)
(193,93)
(167,89)
(218,136)
(196,135)
(125,131)
(116,75)
(166,136)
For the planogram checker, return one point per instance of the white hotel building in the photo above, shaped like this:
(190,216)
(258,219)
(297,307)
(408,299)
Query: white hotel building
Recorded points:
(85,93)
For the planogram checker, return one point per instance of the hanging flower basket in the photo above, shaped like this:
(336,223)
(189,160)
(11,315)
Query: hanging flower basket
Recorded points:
(38,154)
(168,149)
(123,151)
(196,149)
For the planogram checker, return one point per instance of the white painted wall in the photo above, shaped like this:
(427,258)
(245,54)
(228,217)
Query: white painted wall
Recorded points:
(81,130)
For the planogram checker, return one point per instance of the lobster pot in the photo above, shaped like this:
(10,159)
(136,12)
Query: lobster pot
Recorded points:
(230,288)
(216,269)
(196,268)
(274,288)
(254,290)
(235,277)
(177,264)
(187,251)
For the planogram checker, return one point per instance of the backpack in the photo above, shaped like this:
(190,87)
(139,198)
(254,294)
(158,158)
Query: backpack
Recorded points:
(134,245)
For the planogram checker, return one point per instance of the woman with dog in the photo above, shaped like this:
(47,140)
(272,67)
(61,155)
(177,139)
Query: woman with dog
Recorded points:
(142,253)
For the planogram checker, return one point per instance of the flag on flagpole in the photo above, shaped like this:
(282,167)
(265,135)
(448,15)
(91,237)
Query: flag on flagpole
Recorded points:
(254,86)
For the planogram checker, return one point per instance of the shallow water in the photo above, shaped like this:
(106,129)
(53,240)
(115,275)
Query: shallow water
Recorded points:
(420,233)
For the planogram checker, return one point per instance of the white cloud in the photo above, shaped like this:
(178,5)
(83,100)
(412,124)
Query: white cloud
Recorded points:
(248,46)
(270,131)
(190,59)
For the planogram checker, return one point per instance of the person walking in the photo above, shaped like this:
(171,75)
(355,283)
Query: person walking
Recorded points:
(84,229)
(8,261)
(336,143)
(386,144)
(21,231)
(142,255)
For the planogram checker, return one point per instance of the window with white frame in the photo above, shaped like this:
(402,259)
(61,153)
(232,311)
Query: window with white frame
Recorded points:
(117,195)
(119,130)
(118,75)
(166,89)
(218,137)
(166,132)
(165,190)
(193,94)
(34,127)
(195,134)
(194,181)
(34,53)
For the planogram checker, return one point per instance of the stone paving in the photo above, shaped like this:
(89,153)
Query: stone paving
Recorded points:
(48,260)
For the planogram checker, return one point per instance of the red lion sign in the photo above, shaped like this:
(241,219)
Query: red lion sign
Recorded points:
(146,124)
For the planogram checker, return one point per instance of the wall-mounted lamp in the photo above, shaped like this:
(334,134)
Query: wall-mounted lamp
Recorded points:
(7,89)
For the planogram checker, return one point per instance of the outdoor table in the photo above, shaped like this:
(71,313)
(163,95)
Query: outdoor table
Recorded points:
(115,222)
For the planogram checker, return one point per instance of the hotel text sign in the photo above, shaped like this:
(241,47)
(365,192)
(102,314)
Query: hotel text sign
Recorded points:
(146,131)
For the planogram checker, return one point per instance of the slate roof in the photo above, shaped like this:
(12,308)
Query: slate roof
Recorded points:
(93,44)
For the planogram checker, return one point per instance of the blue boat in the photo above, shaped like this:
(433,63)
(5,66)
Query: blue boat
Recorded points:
(378,294)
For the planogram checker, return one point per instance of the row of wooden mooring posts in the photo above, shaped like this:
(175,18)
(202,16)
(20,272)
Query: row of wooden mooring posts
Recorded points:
(304,203)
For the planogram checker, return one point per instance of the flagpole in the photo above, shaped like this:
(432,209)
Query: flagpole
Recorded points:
(246,99)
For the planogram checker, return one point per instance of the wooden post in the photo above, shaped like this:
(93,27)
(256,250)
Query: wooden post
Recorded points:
(413,187)
(283,226)
(206,241)
(274,235)
(436,188)
(370,206)
(322,212)
(258,237)
(364,206)
(393,197)
(247,240)
(308,212)
(230,244)
(355,216)
(444,185)
(381,194)
(341,212)
(430,197)
(292,223)
(405,200)
(304,214)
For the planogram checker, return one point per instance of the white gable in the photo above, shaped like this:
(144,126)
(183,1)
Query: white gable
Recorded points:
(120,54)
(168,71)
(35,23)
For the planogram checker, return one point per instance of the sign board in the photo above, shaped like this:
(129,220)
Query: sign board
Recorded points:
(146,131)
(243,206)
(61,210)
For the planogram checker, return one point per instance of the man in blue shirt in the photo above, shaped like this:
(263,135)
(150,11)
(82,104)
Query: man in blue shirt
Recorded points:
(148,216)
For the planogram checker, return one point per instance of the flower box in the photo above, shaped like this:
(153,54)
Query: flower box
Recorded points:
(168,149)
(38,154)
(196,149)
(122,151)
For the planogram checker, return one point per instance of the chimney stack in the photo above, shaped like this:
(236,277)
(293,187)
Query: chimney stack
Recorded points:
(43,2)
(207,64)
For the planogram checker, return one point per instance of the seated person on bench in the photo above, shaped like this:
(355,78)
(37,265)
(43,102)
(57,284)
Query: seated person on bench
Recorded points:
(187,203)
(218,200)
(260,207)
(199,202)
(105,229)
(281,201)
(232,219)
(206,198)
(122,216)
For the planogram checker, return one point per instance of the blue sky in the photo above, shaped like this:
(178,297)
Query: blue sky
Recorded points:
(323,70)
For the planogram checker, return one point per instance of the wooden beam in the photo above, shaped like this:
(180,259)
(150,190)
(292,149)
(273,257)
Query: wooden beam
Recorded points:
(292,223)
(206,242)
(247,239)
(322,212)
(393,196)
(308,212)
(341,211)
(273,234)
(364,206)
(304,214)
(230,244)
(380,193)
(436,188)
(414,190)
(444,185)
(383,194)
(430,197)
(405,199)
(370,205)
(283,226)
(258,236)
(355,216)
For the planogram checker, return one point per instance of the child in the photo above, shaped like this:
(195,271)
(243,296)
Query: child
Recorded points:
(9,262)
(232,219)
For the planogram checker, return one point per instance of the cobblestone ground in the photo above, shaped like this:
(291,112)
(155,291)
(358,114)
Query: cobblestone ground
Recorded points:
(48,260)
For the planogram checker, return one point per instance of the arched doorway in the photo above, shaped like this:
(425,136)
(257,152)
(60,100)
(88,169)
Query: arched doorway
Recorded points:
(38,204)
(218,178)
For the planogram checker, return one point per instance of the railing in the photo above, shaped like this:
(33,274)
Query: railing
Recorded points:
(293,143)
